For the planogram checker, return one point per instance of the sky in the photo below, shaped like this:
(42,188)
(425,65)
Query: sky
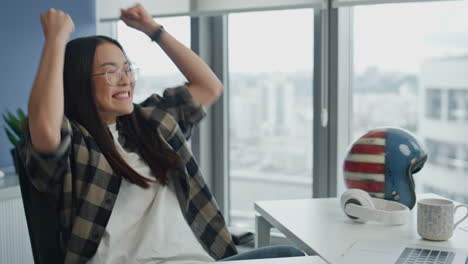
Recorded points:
(271,41)
(399,37)
(393,37)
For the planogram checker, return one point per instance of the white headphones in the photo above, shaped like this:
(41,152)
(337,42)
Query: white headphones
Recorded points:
(361,207)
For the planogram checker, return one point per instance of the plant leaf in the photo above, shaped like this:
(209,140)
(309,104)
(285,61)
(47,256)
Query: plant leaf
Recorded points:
(9,121)
(11,137)
(11,117)
(5,118)
(13,123)
(21,114)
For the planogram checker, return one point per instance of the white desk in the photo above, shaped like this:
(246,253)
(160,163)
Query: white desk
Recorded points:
(320,226)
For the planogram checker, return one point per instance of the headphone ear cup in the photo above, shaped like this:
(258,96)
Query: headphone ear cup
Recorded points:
(357,197)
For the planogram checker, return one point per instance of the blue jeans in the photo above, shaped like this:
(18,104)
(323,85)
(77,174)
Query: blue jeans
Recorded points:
(267,252)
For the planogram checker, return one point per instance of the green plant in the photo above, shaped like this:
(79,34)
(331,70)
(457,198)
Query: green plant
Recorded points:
(14,130)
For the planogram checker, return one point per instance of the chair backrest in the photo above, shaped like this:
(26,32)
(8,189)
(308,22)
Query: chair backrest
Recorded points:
(41,217)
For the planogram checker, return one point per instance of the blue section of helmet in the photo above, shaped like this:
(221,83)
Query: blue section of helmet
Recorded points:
(402,150)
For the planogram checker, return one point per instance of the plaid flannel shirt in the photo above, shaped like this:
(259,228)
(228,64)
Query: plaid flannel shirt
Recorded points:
(85,187)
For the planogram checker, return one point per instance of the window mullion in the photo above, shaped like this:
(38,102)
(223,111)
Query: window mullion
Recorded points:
(320,122)
(210,141)
(341,83)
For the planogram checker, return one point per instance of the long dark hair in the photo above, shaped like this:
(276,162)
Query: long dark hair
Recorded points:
(80,106)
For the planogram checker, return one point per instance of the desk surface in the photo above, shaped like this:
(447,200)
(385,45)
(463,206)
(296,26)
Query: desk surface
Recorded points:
(321,226)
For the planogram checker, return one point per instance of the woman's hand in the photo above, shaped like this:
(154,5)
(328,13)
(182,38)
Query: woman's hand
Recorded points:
(138,18)
(57,25)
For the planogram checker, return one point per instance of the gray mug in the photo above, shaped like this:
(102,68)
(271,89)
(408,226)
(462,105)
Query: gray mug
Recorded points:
(436,218)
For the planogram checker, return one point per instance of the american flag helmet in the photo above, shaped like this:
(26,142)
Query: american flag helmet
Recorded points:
(382,162)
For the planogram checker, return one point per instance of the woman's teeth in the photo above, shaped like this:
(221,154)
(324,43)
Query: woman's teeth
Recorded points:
(122,95)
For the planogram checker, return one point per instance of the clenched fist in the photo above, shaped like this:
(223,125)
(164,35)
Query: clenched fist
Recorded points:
(57,25)
(138,18)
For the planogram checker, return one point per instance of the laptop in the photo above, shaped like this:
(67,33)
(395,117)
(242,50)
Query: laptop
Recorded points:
(395,252)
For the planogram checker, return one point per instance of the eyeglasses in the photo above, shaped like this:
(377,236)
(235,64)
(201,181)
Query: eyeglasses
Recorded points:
(113,77)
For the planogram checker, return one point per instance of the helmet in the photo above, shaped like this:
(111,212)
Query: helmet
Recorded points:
(382,162)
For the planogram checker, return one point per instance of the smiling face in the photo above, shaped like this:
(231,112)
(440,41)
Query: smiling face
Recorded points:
(112,100)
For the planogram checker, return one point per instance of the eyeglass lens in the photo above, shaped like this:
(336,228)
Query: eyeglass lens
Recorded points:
(114,77)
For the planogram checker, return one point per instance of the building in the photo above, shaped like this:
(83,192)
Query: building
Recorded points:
(443,127)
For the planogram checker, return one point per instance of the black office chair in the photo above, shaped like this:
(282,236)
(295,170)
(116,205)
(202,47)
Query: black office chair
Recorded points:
(41,217)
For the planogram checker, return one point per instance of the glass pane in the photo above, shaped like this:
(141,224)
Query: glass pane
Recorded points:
(270,104)
(157,71)
(413,73)
(458,102)
(433,103)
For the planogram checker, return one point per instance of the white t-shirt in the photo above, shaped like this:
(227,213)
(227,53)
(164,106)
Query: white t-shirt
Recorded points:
(147,225)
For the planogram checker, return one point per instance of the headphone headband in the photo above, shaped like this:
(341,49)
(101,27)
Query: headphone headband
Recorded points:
(359,206)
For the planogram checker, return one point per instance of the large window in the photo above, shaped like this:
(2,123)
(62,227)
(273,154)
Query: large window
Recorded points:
(270,103)
(157,71)
(410,69)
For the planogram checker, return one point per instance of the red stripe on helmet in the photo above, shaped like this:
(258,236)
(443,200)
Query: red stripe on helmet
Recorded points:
(369,186)
(375,134)
(368,149)
(351,166)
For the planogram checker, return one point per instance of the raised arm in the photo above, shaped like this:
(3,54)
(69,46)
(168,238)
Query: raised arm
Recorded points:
(45,107)
(204,86)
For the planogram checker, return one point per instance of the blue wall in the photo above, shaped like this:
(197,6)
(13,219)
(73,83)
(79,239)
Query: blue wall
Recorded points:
(21,41)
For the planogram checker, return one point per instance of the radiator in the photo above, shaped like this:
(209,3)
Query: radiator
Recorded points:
(15,247)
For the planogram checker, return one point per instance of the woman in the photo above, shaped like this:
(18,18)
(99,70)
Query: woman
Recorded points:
(125,182)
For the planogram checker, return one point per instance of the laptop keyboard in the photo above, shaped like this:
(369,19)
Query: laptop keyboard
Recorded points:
(420,255)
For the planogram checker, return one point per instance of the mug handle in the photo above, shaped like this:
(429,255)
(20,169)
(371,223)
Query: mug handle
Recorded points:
(466,215)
